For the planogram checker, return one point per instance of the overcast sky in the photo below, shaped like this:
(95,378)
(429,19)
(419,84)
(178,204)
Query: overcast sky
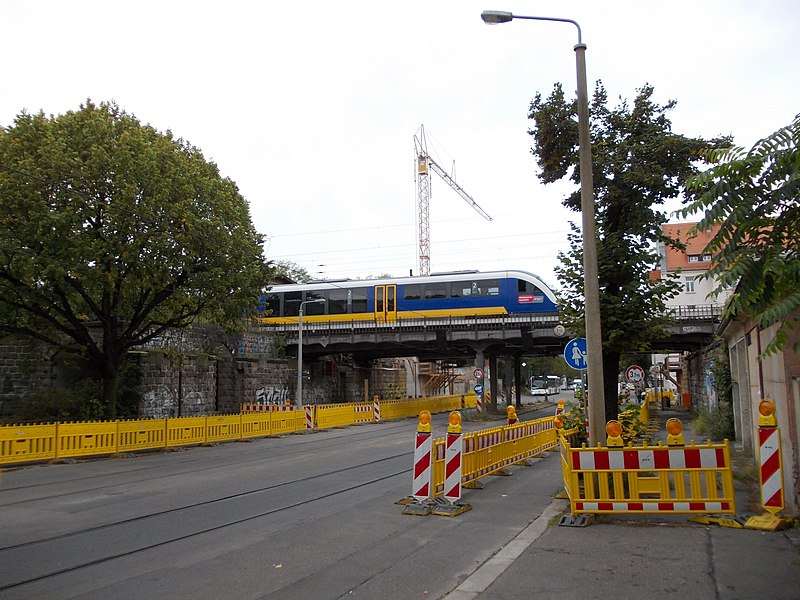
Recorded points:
(311,107)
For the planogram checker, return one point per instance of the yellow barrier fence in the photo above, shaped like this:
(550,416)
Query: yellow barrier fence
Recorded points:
(649,479)
(86,439)
(21,443)
(489,450)
(52,441)
(141,434)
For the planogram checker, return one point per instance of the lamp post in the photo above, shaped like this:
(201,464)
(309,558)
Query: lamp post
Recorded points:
(591,288)
(300,350)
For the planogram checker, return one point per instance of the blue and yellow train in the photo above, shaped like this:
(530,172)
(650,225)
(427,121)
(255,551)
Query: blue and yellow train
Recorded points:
(456,294)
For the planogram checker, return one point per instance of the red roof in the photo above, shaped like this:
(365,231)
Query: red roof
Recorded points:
(695,246)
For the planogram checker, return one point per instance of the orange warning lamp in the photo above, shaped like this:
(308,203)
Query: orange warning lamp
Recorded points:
(675,432)
(766,413)
(511,415)
(424,422)
(614,432)
(455,422)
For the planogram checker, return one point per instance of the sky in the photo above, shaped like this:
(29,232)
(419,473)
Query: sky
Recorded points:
(312,107)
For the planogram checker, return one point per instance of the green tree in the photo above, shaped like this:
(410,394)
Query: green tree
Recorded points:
(111,233)
(638,163)
(290,270)
(753,195)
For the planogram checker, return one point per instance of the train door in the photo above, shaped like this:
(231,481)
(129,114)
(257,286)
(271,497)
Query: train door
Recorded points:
(385,303)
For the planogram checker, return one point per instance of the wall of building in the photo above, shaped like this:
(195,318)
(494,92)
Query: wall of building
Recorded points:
(776,377)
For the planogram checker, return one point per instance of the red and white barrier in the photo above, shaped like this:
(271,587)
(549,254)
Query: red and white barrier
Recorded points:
(653,506)
(309,416)
(266,407)
(452,467)
(771,469)
(423,467)
(376,410)
(649,459)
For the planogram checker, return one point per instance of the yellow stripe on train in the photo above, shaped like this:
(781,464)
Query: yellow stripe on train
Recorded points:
(407,314)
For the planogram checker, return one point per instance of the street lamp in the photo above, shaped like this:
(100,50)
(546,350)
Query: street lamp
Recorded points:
(591,288)
(300,350)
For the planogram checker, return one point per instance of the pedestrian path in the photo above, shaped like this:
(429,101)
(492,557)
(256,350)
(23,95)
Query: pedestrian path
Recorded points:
(641,556)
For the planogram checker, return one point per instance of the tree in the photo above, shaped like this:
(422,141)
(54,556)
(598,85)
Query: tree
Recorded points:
(753,195)
(290,270)
(111,233)
(638,163)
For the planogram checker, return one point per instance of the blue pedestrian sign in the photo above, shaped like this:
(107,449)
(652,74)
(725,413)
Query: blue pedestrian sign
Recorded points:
(575,353)
(478,388)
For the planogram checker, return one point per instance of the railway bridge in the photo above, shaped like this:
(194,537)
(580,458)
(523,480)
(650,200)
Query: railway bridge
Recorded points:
(464,337)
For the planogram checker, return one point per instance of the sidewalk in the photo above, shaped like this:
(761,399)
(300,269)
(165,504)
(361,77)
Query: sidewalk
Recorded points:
(641,556)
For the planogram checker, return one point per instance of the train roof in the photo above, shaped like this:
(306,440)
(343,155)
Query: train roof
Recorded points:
(451,276)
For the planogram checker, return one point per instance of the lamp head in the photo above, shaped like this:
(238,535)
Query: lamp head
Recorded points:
(493,17)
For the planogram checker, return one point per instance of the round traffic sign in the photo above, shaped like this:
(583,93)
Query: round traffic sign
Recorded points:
(634,374)
(575,354)
(478,373)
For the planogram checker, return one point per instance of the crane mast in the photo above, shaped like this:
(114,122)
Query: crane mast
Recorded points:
(424,165)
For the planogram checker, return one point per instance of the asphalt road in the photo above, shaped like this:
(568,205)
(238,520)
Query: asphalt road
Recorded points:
(302,516)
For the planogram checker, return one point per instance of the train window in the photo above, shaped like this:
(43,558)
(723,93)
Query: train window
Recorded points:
(317,308)
(358,302)
(526,287)
(435,290)
(411,292)
(337,302)
(291,303)
(487,287)
(272,305)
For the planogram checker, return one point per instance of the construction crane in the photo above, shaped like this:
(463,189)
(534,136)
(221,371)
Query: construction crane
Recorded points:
(424,162)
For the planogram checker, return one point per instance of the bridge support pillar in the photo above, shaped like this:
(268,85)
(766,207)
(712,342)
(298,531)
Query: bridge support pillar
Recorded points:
(518,380)
(493,381)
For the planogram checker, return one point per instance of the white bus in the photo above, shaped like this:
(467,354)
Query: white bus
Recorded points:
(545,385)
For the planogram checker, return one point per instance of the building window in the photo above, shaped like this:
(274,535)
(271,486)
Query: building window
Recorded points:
(694,258)
(689,285)
(706,258)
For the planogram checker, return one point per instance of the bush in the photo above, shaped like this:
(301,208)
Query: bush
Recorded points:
(633,430)
(82,403)
(717,423)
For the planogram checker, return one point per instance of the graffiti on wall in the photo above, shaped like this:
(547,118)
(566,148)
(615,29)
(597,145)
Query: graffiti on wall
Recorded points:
(272,394)
(162,403)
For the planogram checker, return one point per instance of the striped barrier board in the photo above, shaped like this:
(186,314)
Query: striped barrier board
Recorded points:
(421,484)
(770,469)
(376,410)
(650,459)
(452,467)
(654,507)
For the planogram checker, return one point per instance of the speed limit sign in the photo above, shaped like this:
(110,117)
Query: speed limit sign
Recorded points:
(478,373)
(634,374)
